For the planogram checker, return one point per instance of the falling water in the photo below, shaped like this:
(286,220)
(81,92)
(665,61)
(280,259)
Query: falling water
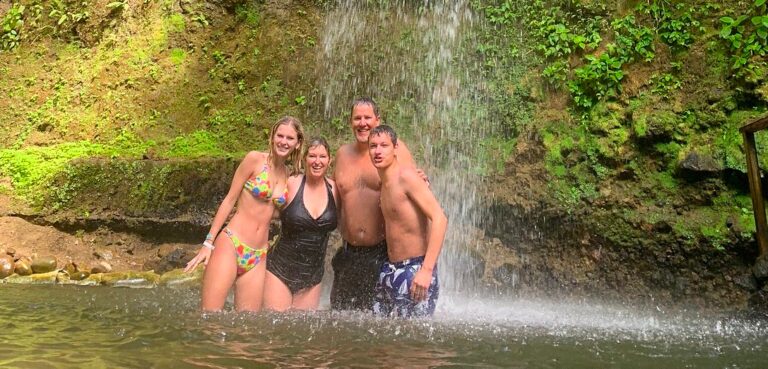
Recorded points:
(412,58)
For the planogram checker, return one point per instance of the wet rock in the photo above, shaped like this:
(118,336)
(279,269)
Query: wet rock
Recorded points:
(70,268)
(130,279)
(747,282)
(43,264)
(760,269)
(759,301)
(79,275)
(506,274)
(23,266)
(6,266)
(42,278)
(178,277)
(101,267)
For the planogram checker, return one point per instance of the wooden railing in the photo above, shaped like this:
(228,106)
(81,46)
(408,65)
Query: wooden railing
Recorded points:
(755,184)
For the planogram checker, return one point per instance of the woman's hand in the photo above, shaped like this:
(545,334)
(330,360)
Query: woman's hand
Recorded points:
(202,257)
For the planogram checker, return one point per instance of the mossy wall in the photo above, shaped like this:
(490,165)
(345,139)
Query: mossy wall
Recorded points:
(615,95)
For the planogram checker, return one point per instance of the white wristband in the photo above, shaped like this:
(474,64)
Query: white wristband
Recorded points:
(208,244)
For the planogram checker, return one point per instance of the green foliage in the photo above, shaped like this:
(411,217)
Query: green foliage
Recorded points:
(32,169)
(598,79)
(176,23)
(118,5)
(248,14)
(10,26)
(178,56)
(67,14)
(664,84)
(674,23)
(747,38)
(195,145)
(493,154)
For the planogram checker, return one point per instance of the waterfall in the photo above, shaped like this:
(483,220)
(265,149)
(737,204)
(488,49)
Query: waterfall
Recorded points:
(412,58)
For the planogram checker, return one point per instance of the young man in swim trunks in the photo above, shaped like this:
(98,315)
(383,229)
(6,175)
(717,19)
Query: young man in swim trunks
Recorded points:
(415,228)
(357,262)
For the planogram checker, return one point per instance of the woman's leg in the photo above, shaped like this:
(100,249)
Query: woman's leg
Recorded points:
(249,288)
(308,298)
(220,273)
(277,296)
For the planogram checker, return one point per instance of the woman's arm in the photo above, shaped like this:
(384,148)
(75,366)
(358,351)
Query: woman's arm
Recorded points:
(244,170)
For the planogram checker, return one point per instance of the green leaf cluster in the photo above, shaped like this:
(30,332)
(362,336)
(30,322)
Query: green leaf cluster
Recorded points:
(747,39)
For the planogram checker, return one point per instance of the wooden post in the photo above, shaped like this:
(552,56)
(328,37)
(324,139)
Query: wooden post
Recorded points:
(756,189)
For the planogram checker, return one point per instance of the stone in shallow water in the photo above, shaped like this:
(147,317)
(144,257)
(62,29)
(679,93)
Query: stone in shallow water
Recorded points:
(178,277)
(131,279)
(79,275)
(44,264)
(42,278)
(6,266)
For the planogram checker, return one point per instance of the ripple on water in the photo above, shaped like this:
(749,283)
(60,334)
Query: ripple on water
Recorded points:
(162,328)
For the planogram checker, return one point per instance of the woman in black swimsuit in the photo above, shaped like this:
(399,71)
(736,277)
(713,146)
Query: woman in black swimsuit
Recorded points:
(296,263)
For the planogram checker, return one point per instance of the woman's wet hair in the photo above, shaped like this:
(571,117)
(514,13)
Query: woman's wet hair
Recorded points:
(294,158)
(314,142)
(384,129)
(365,101)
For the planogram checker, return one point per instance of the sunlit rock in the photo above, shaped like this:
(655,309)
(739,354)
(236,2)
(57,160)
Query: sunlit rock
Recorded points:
(70,268)
(23,266)
(130,279)
(42,278)
(10,252)
(6,266)
(178,277)
(101,267)
(43,264)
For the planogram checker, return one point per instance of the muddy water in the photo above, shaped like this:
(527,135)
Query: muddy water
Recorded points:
(95,327)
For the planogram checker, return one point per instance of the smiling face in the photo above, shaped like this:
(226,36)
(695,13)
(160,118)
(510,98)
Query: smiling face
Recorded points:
(382,150)
(317,161)
(363,120)
(285,140)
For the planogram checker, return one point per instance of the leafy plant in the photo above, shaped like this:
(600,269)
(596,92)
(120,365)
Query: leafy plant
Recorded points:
(747,39)
(11,27)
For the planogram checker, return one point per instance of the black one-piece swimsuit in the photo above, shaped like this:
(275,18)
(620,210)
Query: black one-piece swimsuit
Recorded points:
(298,257)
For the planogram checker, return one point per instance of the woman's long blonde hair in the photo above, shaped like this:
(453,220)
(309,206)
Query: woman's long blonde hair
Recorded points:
(294,158)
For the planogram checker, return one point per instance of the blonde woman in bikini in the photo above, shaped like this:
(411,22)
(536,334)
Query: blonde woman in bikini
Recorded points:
(236,253)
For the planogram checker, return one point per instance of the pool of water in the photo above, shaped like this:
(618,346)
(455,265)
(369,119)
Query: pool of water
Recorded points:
(96,327)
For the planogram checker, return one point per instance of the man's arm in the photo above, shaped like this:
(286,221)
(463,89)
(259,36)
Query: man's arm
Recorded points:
(425,201)
(405,158)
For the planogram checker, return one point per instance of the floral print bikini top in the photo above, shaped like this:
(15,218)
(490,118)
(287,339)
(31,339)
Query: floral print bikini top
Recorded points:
(259,187)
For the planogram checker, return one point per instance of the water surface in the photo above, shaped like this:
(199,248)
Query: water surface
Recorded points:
(95,327)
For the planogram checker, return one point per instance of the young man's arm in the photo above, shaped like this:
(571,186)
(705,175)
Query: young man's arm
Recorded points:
(425,201)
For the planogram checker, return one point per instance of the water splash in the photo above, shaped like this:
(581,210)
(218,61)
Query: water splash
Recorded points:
(412,57)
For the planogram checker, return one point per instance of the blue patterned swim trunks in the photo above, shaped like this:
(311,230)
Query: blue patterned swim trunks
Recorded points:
(393,290)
